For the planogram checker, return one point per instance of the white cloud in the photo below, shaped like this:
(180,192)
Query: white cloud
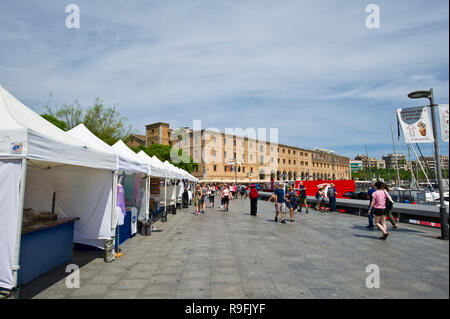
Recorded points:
(310,68)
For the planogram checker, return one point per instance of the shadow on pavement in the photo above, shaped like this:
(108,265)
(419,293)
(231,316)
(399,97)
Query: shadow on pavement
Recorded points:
(34,287)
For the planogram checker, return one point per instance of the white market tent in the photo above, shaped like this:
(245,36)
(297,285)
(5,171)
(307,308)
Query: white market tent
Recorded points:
(122,148)
(38,159)
(155,169)
(124,162)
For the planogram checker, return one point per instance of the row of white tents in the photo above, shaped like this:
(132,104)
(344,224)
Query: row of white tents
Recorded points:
(37,159)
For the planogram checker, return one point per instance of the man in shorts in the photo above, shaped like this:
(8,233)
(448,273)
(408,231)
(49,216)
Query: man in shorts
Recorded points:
(280,202)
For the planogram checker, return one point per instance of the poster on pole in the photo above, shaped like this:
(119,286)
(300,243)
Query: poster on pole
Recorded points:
(443,118)
(416,124)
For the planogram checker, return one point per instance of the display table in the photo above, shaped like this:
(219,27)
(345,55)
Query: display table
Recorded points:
(44,246)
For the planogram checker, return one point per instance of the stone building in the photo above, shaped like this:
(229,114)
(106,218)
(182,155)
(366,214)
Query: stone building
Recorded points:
(226,157)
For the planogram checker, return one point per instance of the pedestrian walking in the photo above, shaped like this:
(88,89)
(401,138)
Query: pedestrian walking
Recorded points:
(211,196)
(379,204)
(280,202)
(302,198)
(332,197)
(389,206)
(253,200)
(203,198)
(197,199)
(226,196)
(369,193)
(291,201)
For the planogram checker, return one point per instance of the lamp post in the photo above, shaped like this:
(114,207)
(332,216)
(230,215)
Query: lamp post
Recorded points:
(442,210)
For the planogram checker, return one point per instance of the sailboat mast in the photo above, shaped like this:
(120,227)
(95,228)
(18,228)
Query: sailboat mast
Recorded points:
(396,162)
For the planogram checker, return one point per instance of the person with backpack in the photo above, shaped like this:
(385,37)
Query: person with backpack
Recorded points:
(302,198)
(280,202)
(332,197)
(389,206)
(253,200)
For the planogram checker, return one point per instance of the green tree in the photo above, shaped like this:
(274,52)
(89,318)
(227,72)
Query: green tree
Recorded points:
(162,152)
(61,124)
(104,122)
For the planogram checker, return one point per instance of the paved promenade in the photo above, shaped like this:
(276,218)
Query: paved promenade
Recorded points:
(235,255)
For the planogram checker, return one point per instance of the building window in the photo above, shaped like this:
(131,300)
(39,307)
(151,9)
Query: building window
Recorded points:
(283,150)
(251,169)
(295,162)
(224,168)
(294,152)
(261,148)
(261,159)
(284,161)
(289,151)
(215,168)
(289,161)
(251,157)
(243,169)
(225,154)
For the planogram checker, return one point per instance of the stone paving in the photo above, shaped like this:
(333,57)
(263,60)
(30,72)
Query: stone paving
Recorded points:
(235,255)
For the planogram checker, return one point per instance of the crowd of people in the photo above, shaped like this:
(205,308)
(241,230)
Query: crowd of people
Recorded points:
(288,199)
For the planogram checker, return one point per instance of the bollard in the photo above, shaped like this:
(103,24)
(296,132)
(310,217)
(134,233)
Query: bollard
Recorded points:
(109,245)
(148,227)
(164,217)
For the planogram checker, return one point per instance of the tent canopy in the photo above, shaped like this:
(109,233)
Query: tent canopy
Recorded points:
(156,169)
(24,133)
(123,161)
(127,153)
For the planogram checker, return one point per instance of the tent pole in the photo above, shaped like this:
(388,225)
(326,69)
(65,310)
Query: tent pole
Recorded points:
(114,204)
(16,266)
(165,194)
(147,197)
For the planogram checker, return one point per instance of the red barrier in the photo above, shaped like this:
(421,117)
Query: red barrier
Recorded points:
(342,186)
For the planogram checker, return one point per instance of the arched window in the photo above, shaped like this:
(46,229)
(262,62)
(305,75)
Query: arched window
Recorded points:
(262,174)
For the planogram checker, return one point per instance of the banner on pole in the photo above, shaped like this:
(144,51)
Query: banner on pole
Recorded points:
(443,118)
(416,124)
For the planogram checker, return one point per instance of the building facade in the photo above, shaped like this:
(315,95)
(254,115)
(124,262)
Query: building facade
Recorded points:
(392,159)
(229,158)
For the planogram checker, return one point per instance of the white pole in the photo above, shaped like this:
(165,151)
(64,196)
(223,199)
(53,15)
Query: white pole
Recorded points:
(165,193)
(114,204)
(147,197)
(426,176)
(16,266)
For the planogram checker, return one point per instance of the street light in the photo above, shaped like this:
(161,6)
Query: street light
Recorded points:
(442,209)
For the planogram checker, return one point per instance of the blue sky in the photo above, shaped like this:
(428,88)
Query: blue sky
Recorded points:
(312,69)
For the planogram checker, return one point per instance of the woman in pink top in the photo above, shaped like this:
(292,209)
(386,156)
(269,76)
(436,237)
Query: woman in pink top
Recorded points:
(379,203)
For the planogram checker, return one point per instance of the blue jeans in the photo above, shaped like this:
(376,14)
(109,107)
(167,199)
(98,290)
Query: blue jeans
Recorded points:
(371,217)
(332,204)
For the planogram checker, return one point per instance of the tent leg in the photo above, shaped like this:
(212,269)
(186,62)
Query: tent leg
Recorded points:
(19,221)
